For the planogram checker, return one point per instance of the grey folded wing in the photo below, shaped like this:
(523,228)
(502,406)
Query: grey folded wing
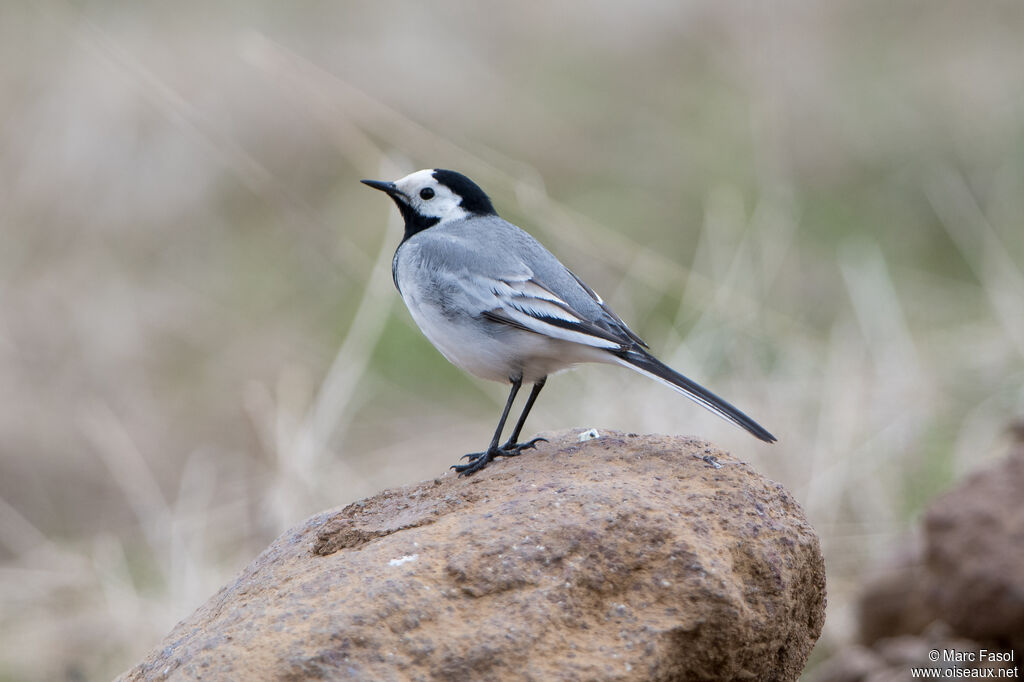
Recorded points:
(524,286)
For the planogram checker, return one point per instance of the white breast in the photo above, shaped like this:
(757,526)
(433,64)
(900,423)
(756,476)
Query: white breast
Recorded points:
(482,348)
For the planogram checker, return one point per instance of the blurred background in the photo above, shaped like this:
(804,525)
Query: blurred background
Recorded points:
(813,208)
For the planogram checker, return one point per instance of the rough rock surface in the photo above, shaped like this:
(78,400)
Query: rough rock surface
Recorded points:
(620,558)
(974,551)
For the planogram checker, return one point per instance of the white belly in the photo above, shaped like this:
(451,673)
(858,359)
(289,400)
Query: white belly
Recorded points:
(491,350)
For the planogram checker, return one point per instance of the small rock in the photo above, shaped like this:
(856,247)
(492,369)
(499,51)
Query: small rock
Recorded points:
(895,601)
(974,550)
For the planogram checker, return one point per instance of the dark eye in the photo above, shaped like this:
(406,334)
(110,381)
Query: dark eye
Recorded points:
(426,194)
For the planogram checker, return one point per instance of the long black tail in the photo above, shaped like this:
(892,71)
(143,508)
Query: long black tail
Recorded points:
(644,363)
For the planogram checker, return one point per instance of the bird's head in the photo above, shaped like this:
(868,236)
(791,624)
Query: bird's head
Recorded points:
(434,197)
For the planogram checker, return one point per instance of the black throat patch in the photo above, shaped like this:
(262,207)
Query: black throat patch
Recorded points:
(414,222)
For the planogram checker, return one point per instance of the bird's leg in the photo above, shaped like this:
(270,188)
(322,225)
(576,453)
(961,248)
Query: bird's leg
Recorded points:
(512,447)
(478,460)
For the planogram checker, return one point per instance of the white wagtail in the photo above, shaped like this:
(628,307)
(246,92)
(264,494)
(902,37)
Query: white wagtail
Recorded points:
(499,305)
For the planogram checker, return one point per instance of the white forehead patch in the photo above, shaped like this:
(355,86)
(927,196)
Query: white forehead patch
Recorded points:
(443,203)
(419,179)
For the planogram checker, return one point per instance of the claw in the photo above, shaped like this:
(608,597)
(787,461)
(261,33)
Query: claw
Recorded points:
(513,449)
(478,460)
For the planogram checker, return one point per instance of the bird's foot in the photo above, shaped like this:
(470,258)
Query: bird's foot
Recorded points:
(478,460)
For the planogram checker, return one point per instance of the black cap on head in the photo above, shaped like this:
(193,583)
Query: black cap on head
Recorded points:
(474,199)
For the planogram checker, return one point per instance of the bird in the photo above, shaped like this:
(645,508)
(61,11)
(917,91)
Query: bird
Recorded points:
(500,306)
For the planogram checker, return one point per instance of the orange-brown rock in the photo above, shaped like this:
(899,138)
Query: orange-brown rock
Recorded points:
(621,558)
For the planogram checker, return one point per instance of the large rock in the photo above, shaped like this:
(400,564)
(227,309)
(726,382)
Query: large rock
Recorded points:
(620,558)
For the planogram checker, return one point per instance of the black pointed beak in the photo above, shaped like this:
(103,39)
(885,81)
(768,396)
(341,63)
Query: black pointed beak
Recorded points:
(388,188)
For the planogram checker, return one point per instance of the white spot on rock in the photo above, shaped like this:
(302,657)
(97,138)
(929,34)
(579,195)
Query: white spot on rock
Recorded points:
(403,560)
(589,435)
